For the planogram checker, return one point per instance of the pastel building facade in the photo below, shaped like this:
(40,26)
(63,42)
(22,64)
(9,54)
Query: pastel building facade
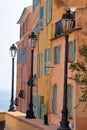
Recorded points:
(23,60)
(49,57)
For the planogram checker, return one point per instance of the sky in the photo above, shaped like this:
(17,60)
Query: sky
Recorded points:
(10,12)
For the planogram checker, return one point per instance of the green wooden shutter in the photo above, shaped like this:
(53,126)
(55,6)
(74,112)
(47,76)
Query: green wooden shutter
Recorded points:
(49,12)
(43,111)
(56,109)
(73,49)
(53,98)
(48,59)
(41,17)
(71,96)
(45,60)
(40,101)
(58,53)
(53,57)
(35,104)
(38,64)
(44,16)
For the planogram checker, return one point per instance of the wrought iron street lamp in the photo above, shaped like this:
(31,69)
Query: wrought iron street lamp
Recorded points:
(13,50)
(67,25)
(32,41)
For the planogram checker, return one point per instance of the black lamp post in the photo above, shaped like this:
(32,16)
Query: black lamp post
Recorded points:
(67,25)
(32,41)
(13,50)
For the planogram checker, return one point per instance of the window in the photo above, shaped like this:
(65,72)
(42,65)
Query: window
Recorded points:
(54,98)
(41,17)
(23,55)
(72,46)
(70,100)
(56,54)
(58,28)
(49,12)
(46,60)
(40,64)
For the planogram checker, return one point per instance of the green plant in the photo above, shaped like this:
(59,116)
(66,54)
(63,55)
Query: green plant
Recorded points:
(79,70)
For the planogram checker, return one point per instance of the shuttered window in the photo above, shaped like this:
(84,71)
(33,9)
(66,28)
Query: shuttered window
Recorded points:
(18,55)
(46,60)
(54,98)
(40,64)
(56,54)
(70,100)
(49,12)
(72,46)
(41,17)
(23,55)
(58,28)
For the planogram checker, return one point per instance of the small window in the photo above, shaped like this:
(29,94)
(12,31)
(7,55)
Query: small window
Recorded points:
(54,98)
(56,54)
(72,46)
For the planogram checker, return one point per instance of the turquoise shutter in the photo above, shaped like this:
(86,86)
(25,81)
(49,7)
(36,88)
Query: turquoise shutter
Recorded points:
(56,110)
(49,6)
(38,64)
(35,104)
(53,98)
(73,49)
(45,60)
(41,18)
(58,53)
(44,16)
(71,94)
(53,58)
(48,59)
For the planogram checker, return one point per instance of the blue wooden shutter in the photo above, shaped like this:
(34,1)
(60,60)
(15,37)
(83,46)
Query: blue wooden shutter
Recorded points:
(71,96)
(41,17)
(58,53)
(23,55)
(53,57)
(73,49)
(45,60)
(53,98)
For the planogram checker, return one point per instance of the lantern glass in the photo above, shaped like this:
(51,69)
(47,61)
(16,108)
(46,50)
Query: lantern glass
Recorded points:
(32,40)
(13,50)
(67,21)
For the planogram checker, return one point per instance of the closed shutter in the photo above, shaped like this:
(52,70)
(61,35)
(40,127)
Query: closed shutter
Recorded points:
(53,57)
(43,110)
(73,49)
(56,107)
(38,64)
(49,12)
(48,59)
(44,16)
(71,98)
(58,53)
(41,18)
(23,55)
(35,104)
(53,98)
(45,60)
(40,102)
